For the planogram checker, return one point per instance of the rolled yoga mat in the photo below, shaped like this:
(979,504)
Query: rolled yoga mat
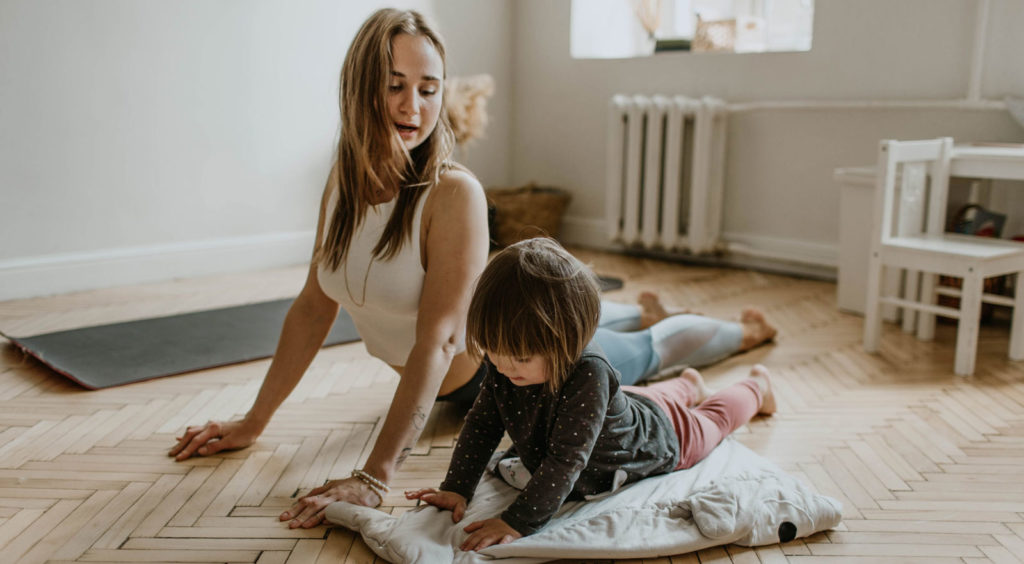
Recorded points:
(121,353)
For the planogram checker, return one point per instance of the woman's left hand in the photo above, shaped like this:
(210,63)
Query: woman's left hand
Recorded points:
(488,532)
(308,511)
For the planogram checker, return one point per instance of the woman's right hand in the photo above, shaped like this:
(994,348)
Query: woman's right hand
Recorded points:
(442,499)
(215,436)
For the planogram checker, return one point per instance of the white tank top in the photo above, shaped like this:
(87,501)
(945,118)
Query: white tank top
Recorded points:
(381,296)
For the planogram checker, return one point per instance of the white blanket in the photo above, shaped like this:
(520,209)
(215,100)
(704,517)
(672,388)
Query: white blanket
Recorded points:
(732,496)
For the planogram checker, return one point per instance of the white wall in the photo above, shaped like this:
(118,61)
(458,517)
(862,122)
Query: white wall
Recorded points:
(152,140)
(780,197)
(478,39)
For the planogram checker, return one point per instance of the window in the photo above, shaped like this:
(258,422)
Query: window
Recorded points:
(603,29)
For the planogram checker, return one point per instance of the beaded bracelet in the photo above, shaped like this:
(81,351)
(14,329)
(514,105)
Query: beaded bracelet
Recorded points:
(376,486)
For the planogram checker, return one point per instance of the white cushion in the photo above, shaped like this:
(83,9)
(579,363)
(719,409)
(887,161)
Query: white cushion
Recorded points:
(734,495)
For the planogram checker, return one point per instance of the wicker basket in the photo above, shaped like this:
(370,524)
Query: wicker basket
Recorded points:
(527,211)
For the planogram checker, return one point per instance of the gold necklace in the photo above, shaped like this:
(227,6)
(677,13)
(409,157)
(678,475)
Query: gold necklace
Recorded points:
(366,277)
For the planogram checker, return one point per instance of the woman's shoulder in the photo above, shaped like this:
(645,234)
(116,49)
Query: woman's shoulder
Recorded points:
(457,191)
(457,180)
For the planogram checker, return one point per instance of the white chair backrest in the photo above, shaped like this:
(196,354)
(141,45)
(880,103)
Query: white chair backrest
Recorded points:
(918,204)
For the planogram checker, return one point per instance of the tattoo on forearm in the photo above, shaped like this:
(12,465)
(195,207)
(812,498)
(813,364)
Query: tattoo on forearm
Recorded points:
(419,419)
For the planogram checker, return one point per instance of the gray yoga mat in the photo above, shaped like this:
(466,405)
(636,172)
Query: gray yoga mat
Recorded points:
(122,353)
(609,283)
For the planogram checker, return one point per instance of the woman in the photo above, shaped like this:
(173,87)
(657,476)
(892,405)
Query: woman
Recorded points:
(402,236)
(401,239)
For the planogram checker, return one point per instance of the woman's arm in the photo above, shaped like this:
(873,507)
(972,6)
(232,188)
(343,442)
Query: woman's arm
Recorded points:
(456,252)
(306,325)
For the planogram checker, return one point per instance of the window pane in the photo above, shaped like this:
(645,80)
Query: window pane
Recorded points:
(619,28)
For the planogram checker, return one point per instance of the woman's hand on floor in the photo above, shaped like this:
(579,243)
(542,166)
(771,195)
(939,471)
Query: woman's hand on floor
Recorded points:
(488,532)
(443,499)
(215,436)
(308,511)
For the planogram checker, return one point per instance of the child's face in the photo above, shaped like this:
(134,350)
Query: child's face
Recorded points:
(521,371)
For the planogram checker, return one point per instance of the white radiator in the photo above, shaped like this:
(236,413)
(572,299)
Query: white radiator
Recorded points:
(666,158)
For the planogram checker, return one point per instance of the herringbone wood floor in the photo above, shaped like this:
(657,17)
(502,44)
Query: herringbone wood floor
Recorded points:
(926,464)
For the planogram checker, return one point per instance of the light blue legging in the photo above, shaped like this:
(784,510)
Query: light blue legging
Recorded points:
(690,340)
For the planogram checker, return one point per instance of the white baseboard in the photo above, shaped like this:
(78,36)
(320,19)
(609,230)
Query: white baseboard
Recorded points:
(783,250)
(57,274)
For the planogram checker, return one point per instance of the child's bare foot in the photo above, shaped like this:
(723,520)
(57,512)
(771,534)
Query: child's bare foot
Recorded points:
(763,378)
(756,329)
(653,311)
(694,377)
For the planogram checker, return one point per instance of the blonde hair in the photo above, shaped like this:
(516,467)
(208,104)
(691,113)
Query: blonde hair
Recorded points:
(371,156)
(534,298)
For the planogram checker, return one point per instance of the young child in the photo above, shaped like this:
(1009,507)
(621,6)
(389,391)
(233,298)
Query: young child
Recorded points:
(533,314)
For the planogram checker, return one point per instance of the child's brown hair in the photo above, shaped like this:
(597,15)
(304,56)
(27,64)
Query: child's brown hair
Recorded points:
(534,298)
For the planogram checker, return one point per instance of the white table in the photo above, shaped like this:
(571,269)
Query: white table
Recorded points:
(1000,162)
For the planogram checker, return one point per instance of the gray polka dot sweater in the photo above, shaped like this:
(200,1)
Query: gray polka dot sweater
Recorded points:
(572,444)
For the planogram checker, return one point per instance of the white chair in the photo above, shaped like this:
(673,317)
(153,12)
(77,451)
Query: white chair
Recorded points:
(908,233)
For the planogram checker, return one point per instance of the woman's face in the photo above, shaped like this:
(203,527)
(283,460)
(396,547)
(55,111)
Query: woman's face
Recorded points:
(415,90)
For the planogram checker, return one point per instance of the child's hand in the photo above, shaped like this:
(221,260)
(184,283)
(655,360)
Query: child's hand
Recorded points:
(488,532)
(439,498)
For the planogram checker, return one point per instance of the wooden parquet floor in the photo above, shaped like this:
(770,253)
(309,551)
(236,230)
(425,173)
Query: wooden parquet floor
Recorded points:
(928,465)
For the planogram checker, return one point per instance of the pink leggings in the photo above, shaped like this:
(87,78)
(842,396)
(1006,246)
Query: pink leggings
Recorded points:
(701,428)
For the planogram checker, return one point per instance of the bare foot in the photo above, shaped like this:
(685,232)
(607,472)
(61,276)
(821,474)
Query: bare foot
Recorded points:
(763,378)
(694,377)
(653,311)
(756,329)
